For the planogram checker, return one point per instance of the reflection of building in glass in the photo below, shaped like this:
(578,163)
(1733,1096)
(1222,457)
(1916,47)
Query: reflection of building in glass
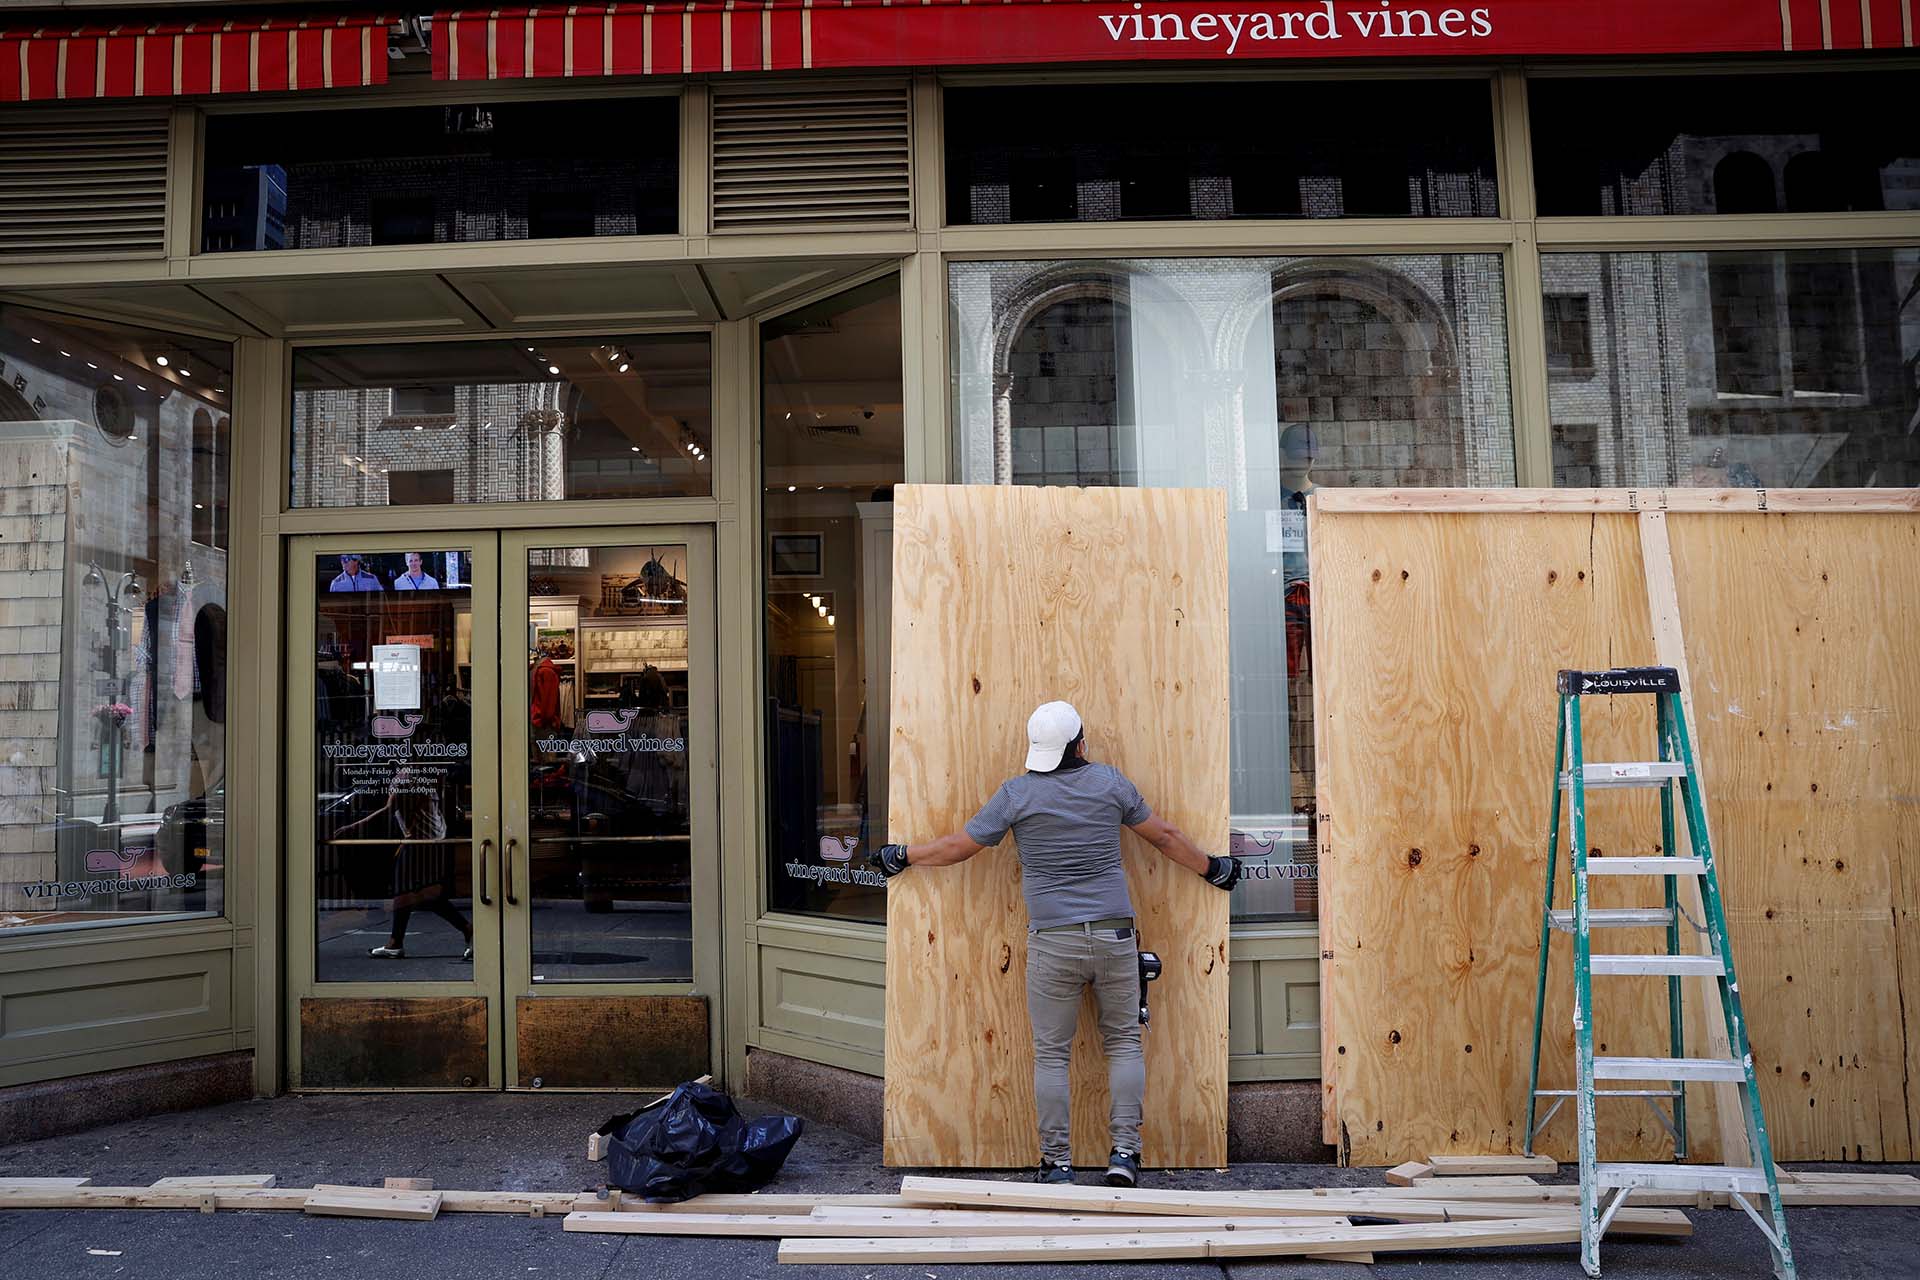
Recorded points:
(363,447)
(1767,368)
(98,749)
(1264,377)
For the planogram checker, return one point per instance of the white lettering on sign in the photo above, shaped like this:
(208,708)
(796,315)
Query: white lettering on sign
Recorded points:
(1319,21)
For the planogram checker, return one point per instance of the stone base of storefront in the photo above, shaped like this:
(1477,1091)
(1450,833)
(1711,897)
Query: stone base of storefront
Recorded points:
(1269,1122)
(50,1108)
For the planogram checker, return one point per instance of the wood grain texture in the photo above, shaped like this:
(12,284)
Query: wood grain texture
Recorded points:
(1803,635)
(1437,638)
(1004,598)
(611,1042)
(1437,689)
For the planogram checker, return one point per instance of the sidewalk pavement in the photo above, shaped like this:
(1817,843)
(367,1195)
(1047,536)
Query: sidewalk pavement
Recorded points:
(538,1142)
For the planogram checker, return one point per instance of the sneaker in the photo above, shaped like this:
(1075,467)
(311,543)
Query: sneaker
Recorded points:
(388,953)
(1054,1173)
(1123,1168)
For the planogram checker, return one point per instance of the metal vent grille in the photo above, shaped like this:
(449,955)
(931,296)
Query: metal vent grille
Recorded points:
(92,187)
(788,158)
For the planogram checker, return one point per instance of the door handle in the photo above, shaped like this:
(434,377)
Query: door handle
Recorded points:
(486,851)
(506,865)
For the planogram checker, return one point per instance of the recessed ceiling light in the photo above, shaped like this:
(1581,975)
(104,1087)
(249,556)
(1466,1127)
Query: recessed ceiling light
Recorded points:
(133,439)
(162,361)
(118,378)
(69,354)
(185,372)
(138,385)
(792,488)
(553,368)
(92,365)
(419,426)
(624,368)
(36,342)
(199,506)
(634,448)
(529,350)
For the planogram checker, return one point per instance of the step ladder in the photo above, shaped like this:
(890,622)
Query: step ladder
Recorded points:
(1604,1187)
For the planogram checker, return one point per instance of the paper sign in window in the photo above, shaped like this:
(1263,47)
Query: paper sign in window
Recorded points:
(396,677)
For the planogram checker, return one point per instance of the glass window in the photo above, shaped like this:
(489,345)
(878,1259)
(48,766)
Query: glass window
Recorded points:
(1264,377)
(1770,369)
(1382,149)
(833,448)
(1809,142)
(320,179)
(393,760)
(610,856)
(426,423)
(113,621)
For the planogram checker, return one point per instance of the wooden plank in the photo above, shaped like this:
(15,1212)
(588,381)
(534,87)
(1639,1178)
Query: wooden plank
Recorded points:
(901,1222)
(407,1184)
(1435,871)
(1004,598)
(1613,501)
(1405,1175)
(1396,1203)
(374,1202)
(1326,899)
(1807,714)
(220,1180)
(43,1182)
(1561,1228)
(757,1202)
(1705,1025)
(185,1197)
(1494,1180)
(1791,1193)
(1482,1166)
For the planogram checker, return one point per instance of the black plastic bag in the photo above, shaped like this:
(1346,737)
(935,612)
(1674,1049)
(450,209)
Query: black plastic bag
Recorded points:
(696,1141)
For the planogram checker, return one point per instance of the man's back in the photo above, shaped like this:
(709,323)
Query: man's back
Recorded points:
(1067,824)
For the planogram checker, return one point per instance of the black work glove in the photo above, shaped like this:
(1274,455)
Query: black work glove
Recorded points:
(891,859)
(1223,873)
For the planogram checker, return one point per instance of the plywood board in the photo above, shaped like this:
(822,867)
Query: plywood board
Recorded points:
(1807,698)
(1438,706)
(1004,598)
(1436,640)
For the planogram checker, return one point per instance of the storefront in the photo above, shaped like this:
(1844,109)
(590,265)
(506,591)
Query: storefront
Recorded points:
(445,528)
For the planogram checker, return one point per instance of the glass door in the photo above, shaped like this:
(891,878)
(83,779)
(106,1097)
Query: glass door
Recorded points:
(608,745)
(394,921)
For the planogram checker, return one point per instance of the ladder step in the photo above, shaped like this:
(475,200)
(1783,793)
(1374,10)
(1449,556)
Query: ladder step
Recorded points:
(1685,966)
(1668,1069)
(1663,866)
(1651,773)
(1615,917)
(1681,1177)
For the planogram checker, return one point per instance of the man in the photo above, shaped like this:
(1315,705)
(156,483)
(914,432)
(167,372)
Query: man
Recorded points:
(415,578)
(352,577)
(1066,813)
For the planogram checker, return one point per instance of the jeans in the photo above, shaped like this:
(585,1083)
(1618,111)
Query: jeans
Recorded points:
(1061,964)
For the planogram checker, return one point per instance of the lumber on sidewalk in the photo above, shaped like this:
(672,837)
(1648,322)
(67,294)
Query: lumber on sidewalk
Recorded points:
(1476,1166)
(374,1202)
(1562,1228)
(1400,1204)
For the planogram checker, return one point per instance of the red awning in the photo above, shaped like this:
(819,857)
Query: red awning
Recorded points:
(172,59)
(702,36)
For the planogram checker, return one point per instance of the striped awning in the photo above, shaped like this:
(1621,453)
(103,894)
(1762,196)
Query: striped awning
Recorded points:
(177,59)
(705,36)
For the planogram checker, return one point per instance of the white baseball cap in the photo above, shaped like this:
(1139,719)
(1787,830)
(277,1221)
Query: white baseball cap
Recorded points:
(1049,729)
